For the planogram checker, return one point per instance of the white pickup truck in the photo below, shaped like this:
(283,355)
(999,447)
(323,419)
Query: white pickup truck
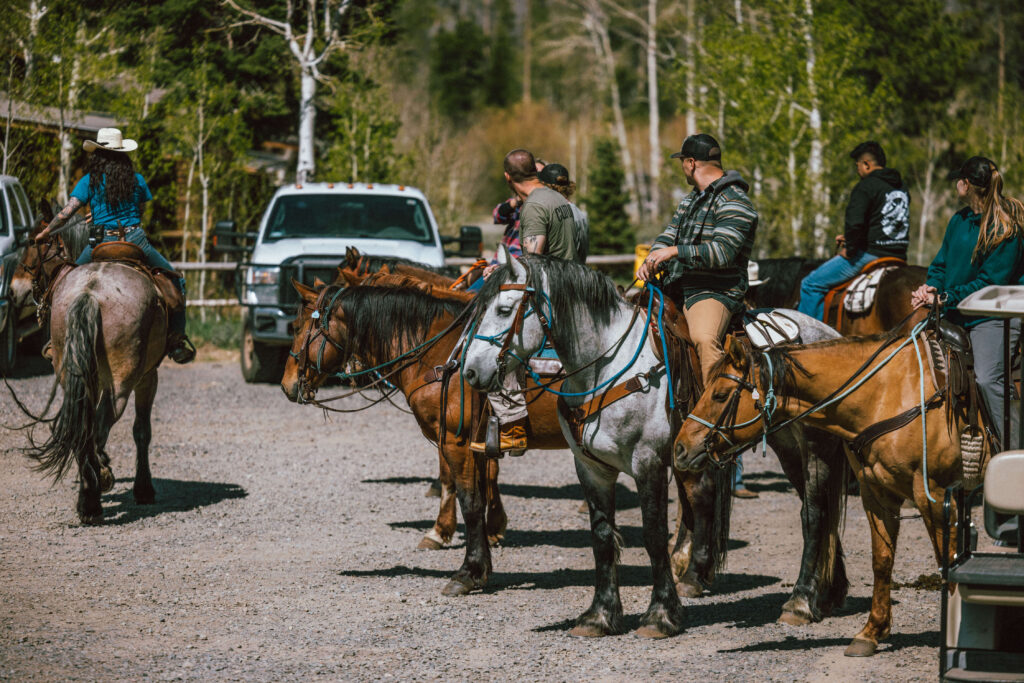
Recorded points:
(15,222)
(303,235)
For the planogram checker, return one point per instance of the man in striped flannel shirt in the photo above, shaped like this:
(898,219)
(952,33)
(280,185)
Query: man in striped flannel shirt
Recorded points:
(705,248)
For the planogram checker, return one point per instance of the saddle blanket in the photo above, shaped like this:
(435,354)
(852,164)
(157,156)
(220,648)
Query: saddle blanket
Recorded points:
(861,292)
(767,328)
(545,362)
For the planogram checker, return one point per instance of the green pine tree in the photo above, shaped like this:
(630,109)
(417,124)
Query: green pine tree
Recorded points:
(610,231)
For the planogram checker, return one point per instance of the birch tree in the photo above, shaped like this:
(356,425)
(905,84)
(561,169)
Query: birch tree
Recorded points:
(309,47)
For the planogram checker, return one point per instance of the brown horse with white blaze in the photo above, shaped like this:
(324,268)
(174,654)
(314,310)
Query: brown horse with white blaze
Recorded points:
(889,465)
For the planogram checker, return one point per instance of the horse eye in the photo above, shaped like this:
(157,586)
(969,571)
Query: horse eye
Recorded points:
(504,310)
(720,396)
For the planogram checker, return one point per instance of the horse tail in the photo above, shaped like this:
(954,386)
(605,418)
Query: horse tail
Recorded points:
(830,558)
(72,433)
(721,479)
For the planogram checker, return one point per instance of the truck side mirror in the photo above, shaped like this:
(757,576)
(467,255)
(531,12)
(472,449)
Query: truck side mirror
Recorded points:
(471,241)
(227,239)
(21,233)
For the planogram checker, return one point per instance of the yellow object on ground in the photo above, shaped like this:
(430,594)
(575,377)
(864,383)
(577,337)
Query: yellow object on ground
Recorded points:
(640,253)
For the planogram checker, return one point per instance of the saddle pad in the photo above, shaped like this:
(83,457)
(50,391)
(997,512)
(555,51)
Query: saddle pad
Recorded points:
(769,328)
(545,362)
(861,292)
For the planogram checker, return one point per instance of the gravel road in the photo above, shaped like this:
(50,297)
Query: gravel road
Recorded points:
(281,548)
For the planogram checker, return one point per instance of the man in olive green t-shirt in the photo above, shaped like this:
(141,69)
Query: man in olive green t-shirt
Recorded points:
(547,225)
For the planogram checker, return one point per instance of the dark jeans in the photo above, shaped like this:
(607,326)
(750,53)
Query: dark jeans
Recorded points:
(154,259)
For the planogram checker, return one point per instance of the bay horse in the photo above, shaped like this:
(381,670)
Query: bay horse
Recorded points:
(634,435)
(108,332)
(889,468)
(781,289)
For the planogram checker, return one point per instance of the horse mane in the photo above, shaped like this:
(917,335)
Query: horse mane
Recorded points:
(398,280)
(572,289)
(368,263)
(377,317)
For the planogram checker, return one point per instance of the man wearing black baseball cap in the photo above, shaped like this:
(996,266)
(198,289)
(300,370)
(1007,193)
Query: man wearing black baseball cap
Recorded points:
(877,225)
(706,246)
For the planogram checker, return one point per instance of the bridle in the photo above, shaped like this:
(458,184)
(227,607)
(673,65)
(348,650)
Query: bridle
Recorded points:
(319,324)
(524,308)
(38,271)
(726,421)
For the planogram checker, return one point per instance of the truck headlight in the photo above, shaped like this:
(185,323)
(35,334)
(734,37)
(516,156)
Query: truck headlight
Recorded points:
(261,284)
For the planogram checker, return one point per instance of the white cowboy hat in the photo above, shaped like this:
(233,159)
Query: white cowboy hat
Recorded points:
(110,139)
(753,275)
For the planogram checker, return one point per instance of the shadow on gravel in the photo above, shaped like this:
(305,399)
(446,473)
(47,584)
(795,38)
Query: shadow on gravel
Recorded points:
(172,495)
(399,480)
(895,642)
(625,499)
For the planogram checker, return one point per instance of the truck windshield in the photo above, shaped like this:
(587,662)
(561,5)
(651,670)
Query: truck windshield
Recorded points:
(348,215)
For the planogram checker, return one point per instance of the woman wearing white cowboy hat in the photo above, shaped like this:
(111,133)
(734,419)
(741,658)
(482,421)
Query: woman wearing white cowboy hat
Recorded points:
(116,195)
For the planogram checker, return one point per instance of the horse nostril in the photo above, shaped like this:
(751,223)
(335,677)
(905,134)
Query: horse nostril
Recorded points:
(680,450)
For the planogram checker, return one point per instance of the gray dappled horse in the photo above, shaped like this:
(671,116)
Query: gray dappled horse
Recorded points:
(109,332)
(634,435)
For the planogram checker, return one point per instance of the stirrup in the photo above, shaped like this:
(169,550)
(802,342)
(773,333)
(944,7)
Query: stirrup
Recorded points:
(511,439)
(180,349)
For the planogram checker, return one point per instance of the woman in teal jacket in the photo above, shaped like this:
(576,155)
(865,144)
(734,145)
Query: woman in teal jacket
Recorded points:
(982,246)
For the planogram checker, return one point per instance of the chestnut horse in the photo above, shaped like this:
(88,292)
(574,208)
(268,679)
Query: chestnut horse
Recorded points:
(380,323)
(108,332)
(889,468)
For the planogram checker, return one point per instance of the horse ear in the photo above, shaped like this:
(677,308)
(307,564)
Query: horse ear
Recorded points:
(517,268)
(349,277)
(318,283)
(351,257)
(308,294)
(737,353)
(503,255)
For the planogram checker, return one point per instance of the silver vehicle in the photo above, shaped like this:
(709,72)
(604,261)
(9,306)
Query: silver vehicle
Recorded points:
(303,236)
(17,319)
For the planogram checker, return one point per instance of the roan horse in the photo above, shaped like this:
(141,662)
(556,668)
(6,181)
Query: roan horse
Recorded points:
(633,434)
(357,328)
(890,468)
(108,331)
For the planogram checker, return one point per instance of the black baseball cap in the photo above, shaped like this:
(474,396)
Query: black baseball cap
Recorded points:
(701,147)
(977,171)
(554,174)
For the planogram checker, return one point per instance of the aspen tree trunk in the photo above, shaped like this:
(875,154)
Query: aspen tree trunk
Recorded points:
(927,200)
(307,120)
(690,66)
(527,52)
(654,116)
(815,163)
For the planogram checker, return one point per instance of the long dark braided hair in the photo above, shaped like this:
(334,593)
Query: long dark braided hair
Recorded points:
(116,172)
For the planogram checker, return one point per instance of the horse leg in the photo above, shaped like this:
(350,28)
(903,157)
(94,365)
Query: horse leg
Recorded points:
(89,508)
(682,543)
(142,431)
(444,526)
(695,502)
(883,512)
(793,453)
(709,494)
(604,617)
(931,513)
(104,421)
(664,616)
(470,472)
(497,520)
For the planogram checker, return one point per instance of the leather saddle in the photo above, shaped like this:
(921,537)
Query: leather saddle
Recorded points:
(165,281)
(683,361)
(835,298)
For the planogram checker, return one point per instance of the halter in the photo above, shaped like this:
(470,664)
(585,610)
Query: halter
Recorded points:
(523,309)
(319,320)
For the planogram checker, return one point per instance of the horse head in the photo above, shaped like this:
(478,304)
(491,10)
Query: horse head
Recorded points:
(37,265)
(726,414)
(317,344)
(504,328)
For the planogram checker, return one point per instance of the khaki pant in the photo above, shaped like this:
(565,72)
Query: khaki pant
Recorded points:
(708,320)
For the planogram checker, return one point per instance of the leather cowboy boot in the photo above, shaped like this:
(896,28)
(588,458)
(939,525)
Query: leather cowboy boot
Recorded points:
(512,439)
(180,348)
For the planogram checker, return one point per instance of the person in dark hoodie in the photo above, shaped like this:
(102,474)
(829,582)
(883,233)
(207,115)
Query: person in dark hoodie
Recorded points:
(877,225)
(706,246)
(982,246)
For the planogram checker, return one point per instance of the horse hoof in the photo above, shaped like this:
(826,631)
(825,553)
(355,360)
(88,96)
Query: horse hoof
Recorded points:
(106,479)
(685,589)
(794,619)
(456,588)
(583,508)
(652,632)
(587,631)
(91,520)
(433,491)
(495,541)
(860,647)
(427,543)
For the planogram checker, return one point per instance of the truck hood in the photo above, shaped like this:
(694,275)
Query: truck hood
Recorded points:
(273,253)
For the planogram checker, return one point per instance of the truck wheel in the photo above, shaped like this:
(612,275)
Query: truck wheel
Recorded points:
(260,362)
(8,344)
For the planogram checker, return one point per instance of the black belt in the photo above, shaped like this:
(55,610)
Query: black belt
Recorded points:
(117,231)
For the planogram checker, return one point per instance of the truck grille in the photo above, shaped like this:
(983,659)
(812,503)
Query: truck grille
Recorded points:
(305,270)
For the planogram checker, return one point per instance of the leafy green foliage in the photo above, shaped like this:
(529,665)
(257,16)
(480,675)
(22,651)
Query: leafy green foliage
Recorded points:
(610,231)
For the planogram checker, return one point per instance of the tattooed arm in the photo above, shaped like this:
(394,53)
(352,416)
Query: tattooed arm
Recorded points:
(535,244)
(73,205)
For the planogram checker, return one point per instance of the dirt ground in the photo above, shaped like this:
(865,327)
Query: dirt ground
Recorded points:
(281,548)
